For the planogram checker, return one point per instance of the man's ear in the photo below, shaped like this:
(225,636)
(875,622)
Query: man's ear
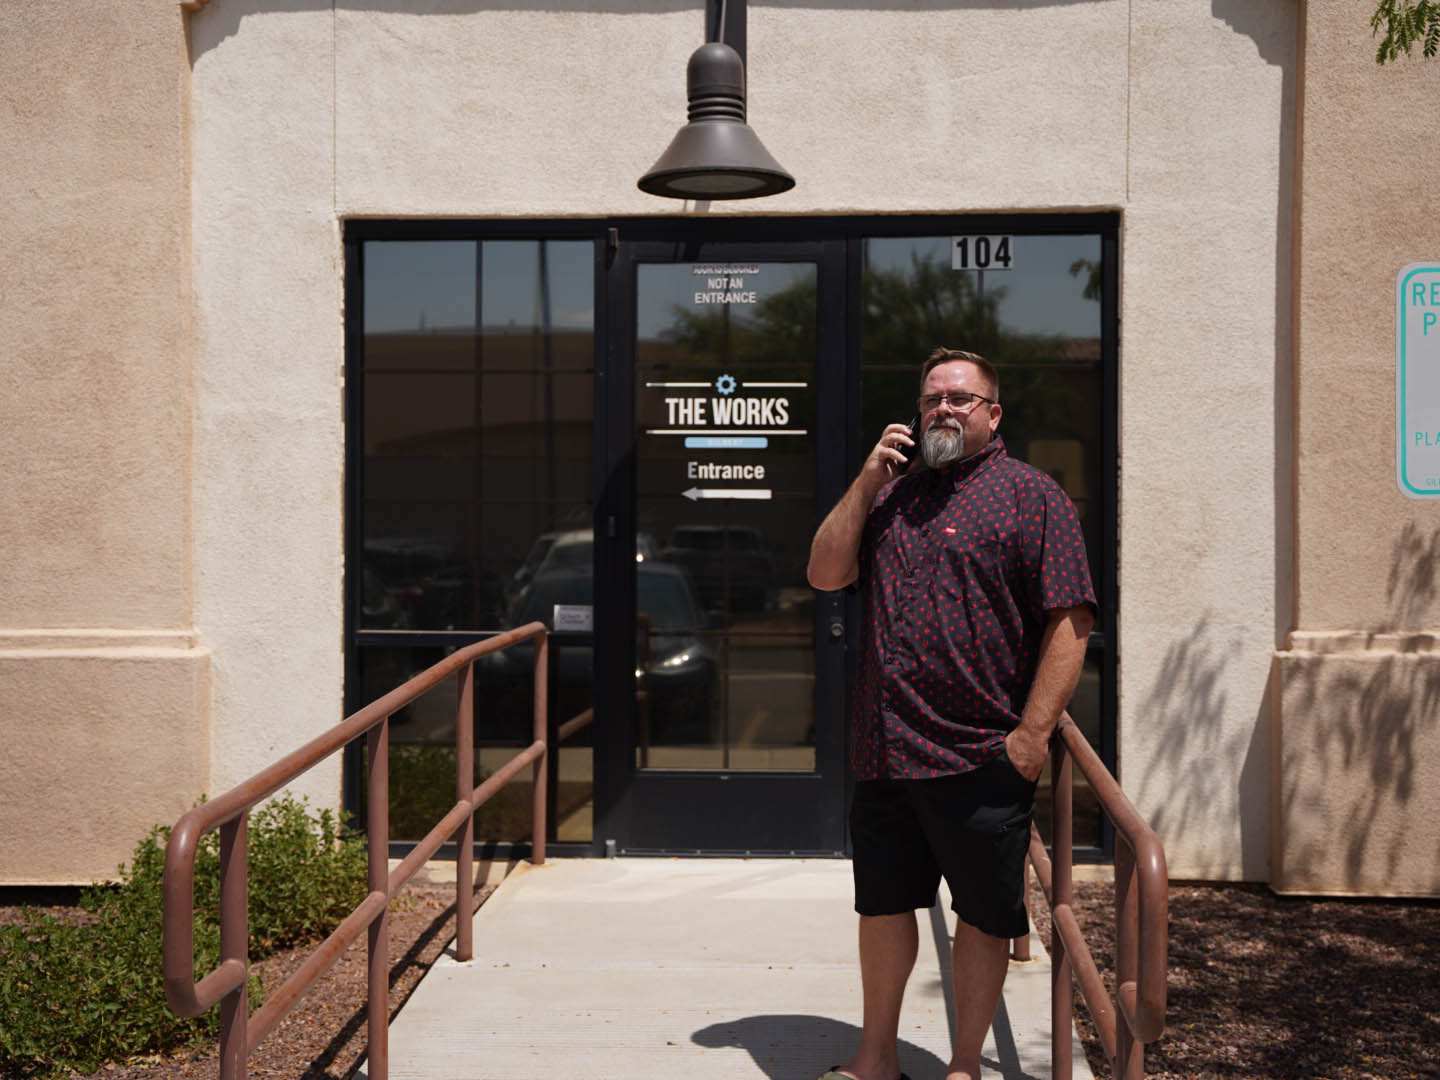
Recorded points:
(994,417)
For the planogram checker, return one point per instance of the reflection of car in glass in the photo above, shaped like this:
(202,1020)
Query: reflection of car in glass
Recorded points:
(679,674)
(424,584)
(534,557)
(574,548)
(726,562)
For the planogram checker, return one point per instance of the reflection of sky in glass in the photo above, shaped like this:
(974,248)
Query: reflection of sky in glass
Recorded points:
(665,286)
(513,295)
(1041,296)
(430,284)
(422,284)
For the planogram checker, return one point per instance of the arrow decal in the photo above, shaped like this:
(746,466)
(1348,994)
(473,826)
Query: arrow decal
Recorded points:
(726,493)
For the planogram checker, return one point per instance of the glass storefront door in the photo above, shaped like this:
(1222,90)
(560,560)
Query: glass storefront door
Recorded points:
(736,737)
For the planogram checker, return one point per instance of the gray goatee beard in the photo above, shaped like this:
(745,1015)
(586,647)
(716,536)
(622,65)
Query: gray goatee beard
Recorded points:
(942,444)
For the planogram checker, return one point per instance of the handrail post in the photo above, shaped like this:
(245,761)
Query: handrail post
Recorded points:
(1062,864)
(464,792)
(539,827)
(377,826)
(1129,1056)
(234,944)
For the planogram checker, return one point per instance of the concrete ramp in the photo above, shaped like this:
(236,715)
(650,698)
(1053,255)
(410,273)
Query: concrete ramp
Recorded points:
(642,969)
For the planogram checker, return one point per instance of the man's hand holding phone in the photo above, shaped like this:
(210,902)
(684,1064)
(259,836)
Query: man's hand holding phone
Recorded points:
(893,453)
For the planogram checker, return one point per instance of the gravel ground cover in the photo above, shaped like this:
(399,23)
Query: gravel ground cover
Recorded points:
(1261,988)
(1264,987)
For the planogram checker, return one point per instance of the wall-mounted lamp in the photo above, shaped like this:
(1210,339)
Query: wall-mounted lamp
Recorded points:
(716,155)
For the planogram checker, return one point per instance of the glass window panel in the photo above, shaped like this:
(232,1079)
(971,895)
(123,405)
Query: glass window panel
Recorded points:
(542,418)
(521,537)
(419,571)
(538,299)
(419,304)
(725,406)
(422,747)
(469,481)
(419,416)
(472,469)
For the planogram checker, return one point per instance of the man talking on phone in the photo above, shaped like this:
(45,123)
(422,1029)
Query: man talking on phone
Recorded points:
(976,608)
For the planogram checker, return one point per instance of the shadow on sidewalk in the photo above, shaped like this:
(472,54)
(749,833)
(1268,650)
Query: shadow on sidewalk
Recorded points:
(776,1041)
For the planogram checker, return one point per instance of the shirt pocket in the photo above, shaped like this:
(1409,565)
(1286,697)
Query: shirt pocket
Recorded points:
(978,562)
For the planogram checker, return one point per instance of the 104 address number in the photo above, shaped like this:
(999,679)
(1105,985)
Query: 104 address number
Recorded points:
(981,252)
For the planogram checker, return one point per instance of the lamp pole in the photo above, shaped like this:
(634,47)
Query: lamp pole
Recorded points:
(725,21)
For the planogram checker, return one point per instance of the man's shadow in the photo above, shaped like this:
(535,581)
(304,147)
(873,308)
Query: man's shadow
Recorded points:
(800,1047)
(795,1046)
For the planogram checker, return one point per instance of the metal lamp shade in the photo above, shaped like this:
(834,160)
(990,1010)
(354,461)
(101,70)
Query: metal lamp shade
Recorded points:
(716,155)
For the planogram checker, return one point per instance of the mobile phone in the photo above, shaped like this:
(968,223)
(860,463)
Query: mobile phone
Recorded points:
(909,452)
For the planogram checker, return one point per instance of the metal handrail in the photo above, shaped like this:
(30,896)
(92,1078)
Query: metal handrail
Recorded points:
(230,814)
(1141,918)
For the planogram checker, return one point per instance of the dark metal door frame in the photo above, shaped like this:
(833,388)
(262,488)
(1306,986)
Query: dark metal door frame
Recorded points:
(614,433)
(766,812)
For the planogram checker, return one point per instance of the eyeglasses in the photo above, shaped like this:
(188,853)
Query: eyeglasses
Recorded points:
(959,400)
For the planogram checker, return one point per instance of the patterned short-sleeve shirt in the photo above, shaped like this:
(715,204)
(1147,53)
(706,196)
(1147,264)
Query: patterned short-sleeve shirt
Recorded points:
(958,567)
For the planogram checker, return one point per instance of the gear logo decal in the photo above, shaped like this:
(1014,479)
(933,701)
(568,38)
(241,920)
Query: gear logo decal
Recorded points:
(725,384)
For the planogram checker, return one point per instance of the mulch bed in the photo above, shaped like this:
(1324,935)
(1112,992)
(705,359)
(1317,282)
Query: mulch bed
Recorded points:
(1264,987)
(1261,988)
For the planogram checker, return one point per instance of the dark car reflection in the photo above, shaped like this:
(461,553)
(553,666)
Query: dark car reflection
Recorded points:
(426,585)
(728,563)
(679,673)
(568,550)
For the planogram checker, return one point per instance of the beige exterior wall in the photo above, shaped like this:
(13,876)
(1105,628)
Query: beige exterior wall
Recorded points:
(1203,376)
(1356,784)
(269,443)
(1178,116)
(173,384)
(103,698)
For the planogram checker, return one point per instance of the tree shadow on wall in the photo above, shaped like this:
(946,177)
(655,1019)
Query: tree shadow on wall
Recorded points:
(1193,773)
(1368,718)
(1411,585)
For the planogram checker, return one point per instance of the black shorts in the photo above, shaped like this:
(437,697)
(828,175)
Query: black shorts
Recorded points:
(974,828)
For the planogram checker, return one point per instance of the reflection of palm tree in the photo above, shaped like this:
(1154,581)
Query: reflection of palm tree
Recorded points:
(1091,267)
(909,311)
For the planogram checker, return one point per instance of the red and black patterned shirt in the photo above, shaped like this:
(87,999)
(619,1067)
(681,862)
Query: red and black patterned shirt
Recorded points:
(958,567)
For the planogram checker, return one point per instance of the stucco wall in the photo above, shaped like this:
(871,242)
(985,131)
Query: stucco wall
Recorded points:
(269,443)
(1204,440)
(106,736)
(102,687)
(1174,113)
(93,388)
(1357,721)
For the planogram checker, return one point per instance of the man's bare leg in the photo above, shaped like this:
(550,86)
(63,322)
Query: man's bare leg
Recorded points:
(978,963)
(888,946)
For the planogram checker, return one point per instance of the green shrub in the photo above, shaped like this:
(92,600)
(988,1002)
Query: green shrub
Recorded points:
(76,995)
(422,789)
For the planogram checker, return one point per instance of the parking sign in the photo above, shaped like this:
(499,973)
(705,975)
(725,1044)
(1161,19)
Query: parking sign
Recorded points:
(1417,380)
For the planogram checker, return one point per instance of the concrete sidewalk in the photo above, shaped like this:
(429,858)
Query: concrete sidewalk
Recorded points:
(638,969)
